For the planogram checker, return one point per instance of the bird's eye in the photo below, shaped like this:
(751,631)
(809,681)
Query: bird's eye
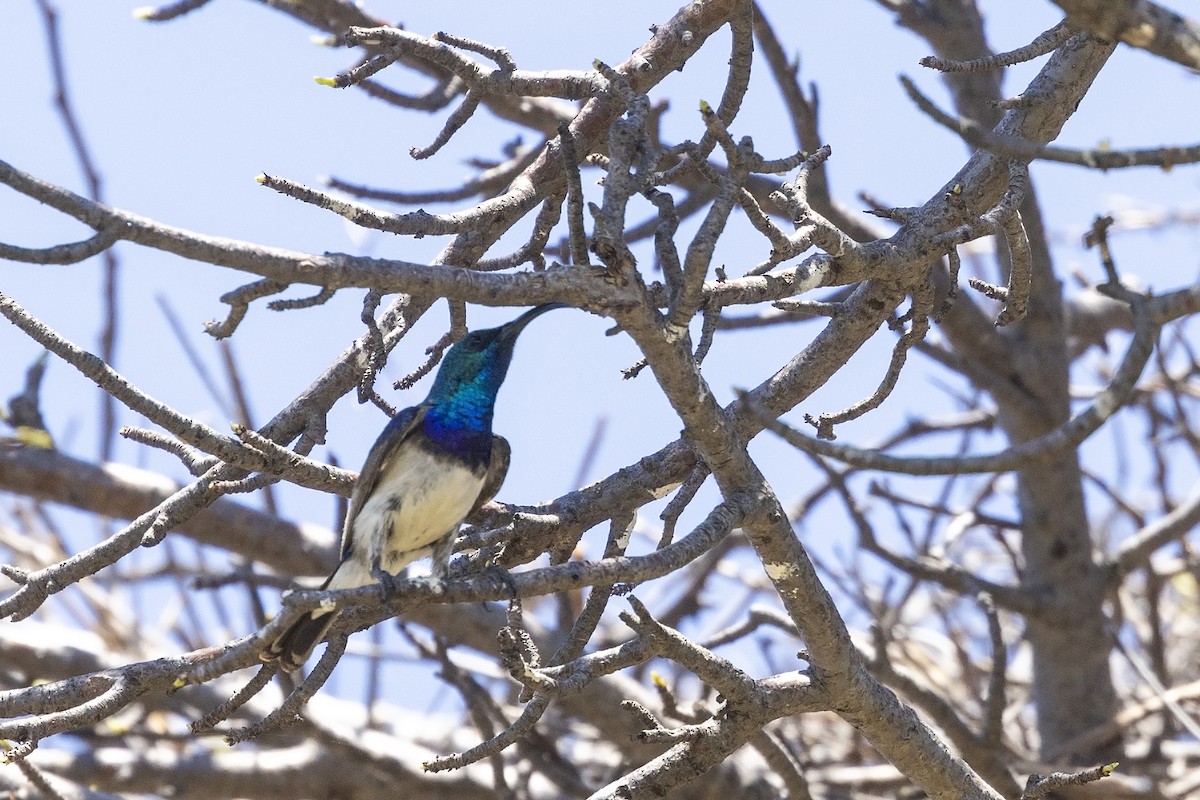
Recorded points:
(479,341)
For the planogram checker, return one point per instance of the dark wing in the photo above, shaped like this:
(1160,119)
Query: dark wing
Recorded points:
(382,452)
(497,469)
(295,645)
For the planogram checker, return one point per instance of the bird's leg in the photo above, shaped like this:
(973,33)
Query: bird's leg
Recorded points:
(440,557)
(385,580)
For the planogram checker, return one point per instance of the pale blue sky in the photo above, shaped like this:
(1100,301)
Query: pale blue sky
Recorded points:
(181,116)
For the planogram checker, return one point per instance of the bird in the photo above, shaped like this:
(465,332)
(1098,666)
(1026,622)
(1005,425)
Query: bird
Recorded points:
(433,464)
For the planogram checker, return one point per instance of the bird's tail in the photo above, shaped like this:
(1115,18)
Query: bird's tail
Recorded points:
(293,647)
(296,644)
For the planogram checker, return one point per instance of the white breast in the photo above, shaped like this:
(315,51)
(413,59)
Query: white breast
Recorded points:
(420,500)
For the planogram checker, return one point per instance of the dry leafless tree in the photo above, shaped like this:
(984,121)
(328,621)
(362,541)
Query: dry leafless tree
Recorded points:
(995,623)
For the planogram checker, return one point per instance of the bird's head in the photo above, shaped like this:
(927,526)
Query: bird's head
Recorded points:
(478,362)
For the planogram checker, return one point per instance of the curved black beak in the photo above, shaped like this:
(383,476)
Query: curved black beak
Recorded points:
(510,330)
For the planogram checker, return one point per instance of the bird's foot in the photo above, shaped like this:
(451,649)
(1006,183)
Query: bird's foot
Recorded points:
(387,584)
(503,578)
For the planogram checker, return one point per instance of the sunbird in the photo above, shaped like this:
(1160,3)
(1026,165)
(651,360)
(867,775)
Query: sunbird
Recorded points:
(434,464)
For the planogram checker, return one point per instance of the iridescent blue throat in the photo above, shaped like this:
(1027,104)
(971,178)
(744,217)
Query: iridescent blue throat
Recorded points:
(469,408)
(462,428)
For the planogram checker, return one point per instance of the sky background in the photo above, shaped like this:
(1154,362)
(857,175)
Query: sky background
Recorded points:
(180,117)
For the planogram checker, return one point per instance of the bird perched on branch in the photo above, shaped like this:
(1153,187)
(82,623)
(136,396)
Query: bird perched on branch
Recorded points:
(433,465)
